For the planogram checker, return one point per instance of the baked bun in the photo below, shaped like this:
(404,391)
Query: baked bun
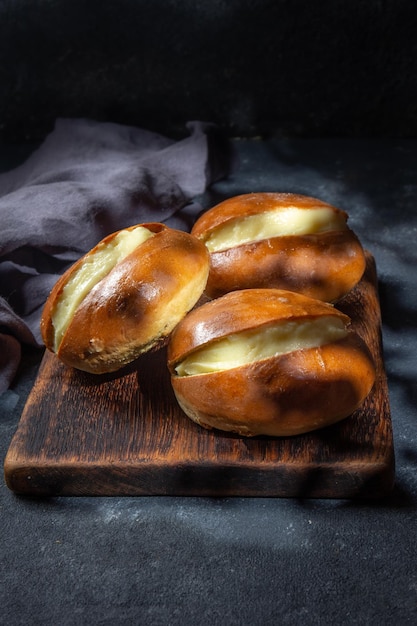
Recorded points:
(268,362)
(124,297)
(280,240)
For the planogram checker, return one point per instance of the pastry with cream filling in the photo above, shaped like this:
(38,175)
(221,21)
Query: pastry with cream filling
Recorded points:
(280,240)
(268,362)
(124,297)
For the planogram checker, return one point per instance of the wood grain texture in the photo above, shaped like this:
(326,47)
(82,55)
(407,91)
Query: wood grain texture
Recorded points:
(124,434)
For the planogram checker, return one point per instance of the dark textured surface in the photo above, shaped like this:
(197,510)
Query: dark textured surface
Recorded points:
(330,68)
(239,561)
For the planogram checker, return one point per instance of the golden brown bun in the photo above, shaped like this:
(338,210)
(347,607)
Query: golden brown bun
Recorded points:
(324,265)
(135,306)
(283,395)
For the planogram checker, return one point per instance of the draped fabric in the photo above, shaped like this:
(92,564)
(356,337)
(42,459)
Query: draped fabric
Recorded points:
(86,180)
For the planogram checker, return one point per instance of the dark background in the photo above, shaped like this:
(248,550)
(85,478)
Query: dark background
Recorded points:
(290,68)
(331,87)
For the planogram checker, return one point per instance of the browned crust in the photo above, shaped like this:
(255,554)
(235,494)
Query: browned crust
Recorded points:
(324,266)
(128,312)
(278,396)
(46,326)
(239,311)
(282,396)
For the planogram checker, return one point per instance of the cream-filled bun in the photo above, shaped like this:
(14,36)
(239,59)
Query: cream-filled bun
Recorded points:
(268,362)
(280,240)
(124,297)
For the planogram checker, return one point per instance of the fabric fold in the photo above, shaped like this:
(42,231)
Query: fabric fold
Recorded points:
(86,180)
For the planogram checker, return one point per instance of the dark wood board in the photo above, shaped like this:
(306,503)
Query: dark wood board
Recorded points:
(124,435)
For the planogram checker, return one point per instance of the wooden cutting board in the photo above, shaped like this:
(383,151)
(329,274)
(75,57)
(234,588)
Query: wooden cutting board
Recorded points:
(125,435)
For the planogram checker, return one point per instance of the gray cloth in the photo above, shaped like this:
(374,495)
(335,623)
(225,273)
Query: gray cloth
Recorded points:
(85,181)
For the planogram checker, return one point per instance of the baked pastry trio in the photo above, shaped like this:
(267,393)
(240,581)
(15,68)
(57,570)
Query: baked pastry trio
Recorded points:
(268,354)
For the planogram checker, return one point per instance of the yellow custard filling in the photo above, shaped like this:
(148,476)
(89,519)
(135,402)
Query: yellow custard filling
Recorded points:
(250,346)
(96,266)
(276,223)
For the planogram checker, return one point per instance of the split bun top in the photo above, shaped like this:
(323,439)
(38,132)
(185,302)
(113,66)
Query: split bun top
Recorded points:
(268,362)
(124,297)
(280,240)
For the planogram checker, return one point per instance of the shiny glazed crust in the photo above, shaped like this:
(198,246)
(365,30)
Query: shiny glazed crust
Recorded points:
(136,306)
(283,395)
(240,311)
(325,265)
